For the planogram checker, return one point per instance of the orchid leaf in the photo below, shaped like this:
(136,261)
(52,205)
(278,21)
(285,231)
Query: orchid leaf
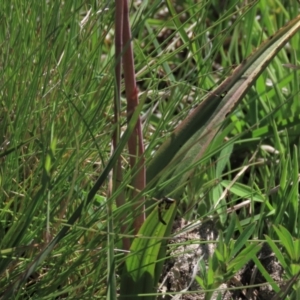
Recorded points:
(143,264)
(189,141)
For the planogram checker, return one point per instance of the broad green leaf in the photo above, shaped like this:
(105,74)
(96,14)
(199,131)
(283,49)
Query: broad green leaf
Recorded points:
(140,274)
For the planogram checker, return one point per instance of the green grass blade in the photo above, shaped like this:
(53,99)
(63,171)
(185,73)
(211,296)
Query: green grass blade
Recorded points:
(277,252)
(42,256)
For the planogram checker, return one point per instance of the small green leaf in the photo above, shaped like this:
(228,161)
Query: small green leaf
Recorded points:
(223,159)
(48,164)
(243,238)
(242,259)
(297,250)
(277,252)
(230,229)
(210,274)
(286,240)
(203,273)
(243,191)
(200,281)
(53,145)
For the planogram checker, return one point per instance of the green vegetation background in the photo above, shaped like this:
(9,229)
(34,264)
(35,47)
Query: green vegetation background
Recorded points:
(56,110)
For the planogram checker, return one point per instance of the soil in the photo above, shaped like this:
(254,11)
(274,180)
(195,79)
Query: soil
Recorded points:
(180,271)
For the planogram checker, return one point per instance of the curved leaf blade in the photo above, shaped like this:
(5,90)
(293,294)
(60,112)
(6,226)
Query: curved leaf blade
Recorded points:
(191,138)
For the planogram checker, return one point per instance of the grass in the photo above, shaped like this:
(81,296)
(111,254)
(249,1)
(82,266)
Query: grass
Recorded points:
(56,111)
